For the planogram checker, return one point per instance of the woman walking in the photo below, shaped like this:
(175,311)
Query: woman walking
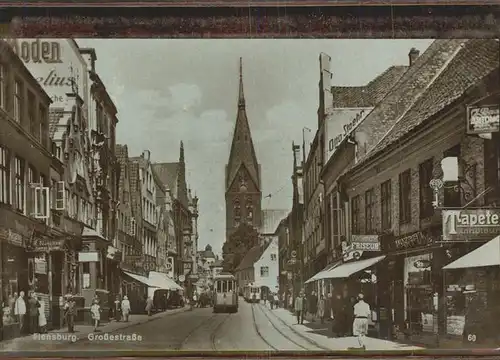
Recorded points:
(149,305)
(321,309)
(125,308)
(95,310)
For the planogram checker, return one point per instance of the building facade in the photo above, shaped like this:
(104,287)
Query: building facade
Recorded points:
(315,248)
(173,177)
(391,211)
(149,210)
(25,163)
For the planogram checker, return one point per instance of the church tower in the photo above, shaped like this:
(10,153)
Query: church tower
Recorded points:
(243,183)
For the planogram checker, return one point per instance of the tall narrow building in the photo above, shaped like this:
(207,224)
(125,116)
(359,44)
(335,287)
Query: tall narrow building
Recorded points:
(243,182)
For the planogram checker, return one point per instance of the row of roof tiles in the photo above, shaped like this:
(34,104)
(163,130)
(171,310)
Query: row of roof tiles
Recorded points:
(404,97)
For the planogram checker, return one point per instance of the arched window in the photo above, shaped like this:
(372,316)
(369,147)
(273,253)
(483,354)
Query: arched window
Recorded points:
(249,208)
(237,212)
(237,209)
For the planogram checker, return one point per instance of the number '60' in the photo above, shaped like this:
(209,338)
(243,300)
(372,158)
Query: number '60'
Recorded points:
(471,338)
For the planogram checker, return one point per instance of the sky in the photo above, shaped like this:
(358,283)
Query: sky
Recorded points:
(168,90)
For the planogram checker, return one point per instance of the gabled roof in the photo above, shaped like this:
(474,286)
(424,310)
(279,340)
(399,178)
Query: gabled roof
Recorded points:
(369,94)
(242,150)
(414,82)
(475,60)
(173,175)
(252,256)
(271,218)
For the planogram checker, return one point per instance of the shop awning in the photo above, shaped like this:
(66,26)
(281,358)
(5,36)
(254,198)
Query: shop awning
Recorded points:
(140,278)
(321,275)
(350,268)
(162,281)
(485,255)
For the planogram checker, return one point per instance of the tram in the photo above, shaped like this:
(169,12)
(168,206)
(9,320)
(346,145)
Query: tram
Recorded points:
(252,293)
(225,294)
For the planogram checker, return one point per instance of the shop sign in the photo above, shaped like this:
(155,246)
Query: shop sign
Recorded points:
(46,244)
(40,266)
(340,124)
(483,119)
(56,64)
(37,51)
(422,264)
(11,237)
(365,242)
(88,256)
(461,225)
(413,240)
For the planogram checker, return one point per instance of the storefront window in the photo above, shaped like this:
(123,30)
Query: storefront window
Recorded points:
(420,302)
(14,280)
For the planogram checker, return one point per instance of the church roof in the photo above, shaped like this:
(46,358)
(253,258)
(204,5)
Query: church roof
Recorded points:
(242,149)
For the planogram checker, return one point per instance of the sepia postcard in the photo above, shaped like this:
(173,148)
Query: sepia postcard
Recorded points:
(238,196)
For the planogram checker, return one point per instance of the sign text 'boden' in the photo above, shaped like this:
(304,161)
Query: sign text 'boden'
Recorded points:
(37,51)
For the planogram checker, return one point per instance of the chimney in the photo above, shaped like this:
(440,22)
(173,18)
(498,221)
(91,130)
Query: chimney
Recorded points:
(413,55)
(325,87)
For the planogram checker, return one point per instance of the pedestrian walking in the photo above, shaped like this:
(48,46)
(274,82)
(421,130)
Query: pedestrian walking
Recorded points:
(312,305)
(42,319)
(149,305)
(20,310)
(95,310)
(117,308)
(338,316)
(321,308)
(276,300)
(300,308)
(125,306)
(362,313)
(33,306)
(70,312)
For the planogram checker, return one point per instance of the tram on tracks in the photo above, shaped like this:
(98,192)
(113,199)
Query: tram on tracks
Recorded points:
(225,294)
(252,293)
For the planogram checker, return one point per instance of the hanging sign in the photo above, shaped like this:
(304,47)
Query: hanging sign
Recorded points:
(483,119)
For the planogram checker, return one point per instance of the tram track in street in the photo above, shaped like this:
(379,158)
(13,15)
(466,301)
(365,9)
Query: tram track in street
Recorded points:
(280,331)
(213,335)
(190,334)
(310,341)
(256,328)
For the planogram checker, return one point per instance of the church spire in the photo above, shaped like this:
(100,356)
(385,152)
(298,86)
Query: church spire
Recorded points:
(241,94)
(242,152)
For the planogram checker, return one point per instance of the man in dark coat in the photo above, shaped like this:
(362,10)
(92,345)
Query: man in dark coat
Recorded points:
(337,310)
(33,306)
(312,305)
